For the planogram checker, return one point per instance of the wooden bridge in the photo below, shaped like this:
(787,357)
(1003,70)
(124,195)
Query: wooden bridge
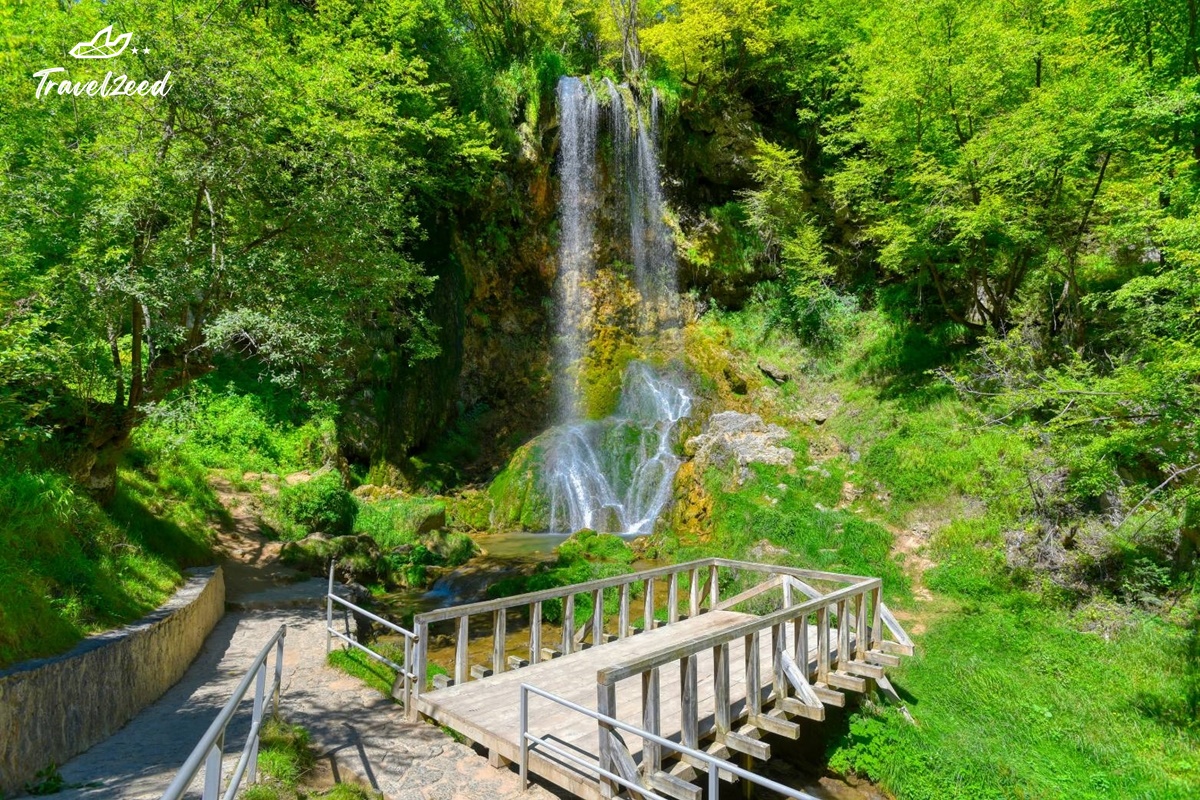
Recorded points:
(655,708)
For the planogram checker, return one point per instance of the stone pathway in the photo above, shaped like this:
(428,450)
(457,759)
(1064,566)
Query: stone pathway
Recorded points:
(359,735)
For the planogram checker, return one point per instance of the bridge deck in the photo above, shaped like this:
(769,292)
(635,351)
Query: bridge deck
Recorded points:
(486,711)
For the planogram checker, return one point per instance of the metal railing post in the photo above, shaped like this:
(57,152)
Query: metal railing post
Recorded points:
(260,692)
(212,769)
(278,671)
(329,612)
(524,713)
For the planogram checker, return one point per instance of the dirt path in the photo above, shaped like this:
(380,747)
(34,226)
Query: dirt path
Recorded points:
(359,735)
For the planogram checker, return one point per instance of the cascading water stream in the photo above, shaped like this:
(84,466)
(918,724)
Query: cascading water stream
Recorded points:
(615,474)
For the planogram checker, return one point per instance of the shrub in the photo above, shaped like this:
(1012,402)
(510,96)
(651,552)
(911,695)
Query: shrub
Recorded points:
(319,505)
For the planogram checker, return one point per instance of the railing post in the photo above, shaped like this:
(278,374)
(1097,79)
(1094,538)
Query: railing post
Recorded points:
(673,598)
(606,704)
(523,710)
(568,622)
(801,626)
(648,611)
(876,620)
(860,629)
(753,676)
(651,720)
(499,635)
(460,649)
(535,633)
(823,644)
(843,658)
(405,680)
(689,722)
(623,617)
(694,592)
(278,670)
(714,588)
(778,648)
(329,612)
(260,691)
(212,769)
(419,670)
(597,617)
(721,686)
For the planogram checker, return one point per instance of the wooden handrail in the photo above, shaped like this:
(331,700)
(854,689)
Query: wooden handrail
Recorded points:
(618,672)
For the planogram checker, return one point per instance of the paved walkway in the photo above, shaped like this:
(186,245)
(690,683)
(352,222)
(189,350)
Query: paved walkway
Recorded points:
(359,734)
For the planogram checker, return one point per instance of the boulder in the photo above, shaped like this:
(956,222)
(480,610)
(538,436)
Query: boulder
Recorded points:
(777,374)
(733,438)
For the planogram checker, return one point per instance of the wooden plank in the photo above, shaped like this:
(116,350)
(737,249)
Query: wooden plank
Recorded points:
(651,719)
(799,682)
(694,592)
(479,672)
(568,623)
(799,585)
(648,608)
(623,619)
(714,587)
(822,643)
(753,591)
(797,709)
(860,629)
(689,717)
(882,659)
(843,681)
(894,627)
(624,764)
(672,786)
(753,676)
(516,662)
(460,649)
(876,618)
(895,648)
(776,725)
(535,632)
(778,651)
(741,743)
(830,697)
(606,704)
(865,670)
(597,617)
(721,686)
(499,639)
(843,617)
(673,598)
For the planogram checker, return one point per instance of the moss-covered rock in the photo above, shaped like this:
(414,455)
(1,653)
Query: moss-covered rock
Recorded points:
(587,545)
(518,494)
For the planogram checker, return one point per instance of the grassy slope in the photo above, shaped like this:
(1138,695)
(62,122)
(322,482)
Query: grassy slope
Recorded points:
(1012,699)
(71,568)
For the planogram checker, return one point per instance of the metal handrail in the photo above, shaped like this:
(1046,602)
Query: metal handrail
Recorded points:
(715,765)
(210,749)
(406,674)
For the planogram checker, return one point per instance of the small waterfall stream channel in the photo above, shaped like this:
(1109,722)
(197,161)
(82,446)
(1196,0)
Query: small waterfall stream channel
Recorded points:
(610,473)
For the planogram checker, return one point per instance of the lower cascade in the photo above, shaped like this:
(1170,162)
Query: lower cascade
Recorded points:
(614,475)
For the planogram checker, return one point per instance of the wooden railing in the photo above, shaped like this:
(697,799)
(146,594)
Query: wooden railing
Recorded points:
(703,594)
(850,647)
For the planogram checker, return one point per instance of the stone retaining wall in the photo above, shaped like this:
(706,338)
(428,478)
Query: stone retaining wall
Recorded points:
(53,709)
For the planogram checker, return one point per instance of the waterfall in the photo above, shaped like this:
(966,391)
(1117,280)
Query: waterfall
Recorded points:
(614,474)
(579,112)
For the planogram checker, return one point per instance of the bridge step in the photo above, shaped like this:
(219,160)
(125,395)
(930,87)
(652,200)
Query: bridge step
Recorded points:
(673,786)
(744,742)
(479,671)
(883,659)
(774,722)
(843,680)
(796,708)
(830,697)
(516,662)
(550,653)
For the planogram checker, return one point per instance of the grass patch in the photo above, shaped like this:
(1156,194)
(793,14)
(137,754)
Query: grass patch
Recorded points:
(72,568)
(1012,701)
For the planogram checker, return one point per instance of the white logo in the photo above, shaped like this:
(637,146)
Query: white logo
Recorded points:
(102,45)
(109,48)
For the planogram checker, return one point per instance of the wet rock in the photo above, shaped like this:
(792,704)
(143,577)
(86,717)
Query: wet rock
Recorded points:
(775,373)
(732,438)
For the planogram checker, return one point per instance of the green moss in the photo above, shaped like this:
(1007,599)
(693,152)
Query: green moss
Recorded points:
(398,521)
(587,545)
(519,499)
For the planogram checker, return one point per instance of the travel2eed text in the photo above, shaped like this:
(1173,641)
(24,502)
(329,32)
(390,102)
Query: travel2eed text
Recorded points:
(102,46)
